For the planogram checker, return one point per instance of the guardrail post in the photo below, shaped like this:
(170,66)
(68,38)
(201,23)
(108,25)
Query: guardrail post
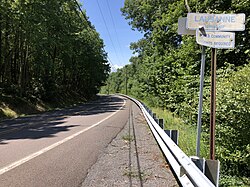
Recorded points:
(199,162)
(154,116)
(173,134)
(168,132)
(150,112)
(161,123)
(212,170)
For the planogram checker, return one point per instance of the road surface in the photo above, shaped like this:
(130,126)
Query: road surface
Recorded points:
(57,148)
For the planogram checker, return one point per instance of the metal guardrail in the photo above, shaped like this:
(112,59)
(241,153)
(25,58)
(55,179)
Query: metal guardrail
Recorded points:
(186,171)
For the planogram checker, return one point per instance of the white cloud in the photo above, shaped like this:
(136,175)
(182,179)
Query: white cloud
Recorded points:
(115,67)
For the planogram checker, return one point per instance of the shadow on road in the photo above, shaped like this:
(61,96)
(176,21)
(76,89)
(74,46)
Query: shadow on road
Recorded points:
(49,124)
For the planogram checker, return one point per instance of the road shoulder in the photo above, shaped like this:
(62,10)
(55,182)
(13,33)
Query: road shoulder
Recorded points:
(133,158)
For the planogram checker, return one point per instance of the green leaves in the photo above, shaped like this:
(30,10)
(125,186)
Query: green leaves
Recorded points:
(51,44)
(233,121)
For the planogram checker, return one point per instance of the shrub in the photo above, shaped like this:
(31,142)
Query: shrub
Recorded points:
(233,120)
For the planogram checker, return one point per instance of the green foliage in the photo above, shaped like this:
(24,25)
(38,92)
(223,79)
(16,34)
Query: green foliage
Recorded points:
(233,101)
(47,48)
(234,181)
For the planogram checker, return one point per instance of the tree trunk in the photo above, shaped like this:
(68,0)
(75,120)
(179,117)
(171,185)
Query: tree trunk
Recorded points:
(6,54)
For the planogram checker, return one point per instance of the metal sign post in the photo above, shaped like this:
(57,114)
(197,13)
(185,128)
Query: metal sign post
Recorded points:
(198,139)
(182,30)
(213,104)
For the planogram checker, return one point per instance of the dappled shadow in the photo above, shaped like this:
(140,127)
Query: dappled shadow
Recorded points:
(37,130)
(49,124)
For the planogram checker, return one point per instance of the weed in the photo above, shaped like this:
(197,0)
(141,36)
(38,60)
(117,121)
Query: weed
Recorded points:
(128,138)
(8,112)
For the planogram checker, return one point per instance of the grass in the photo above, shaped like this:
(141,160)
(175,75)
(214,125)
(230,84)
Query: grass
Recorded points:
(13,106)
(135,174)
(187,133)
(7,112)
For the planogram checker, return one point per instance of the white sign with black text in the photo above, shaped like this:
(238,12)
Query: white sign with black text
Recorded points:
(220,40)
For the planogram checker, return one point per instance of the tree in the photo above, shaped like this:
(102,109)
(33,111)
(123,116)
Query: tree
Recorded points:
(49,47)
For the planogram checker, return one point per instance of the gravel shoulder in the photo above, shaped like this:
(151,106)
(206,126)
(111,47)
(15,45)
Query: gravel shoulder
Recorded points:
(133,158)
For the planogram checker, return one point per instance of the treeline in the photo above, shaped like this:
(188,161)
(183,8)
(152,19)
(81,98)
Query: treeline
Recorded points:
(49,47)
(165,71)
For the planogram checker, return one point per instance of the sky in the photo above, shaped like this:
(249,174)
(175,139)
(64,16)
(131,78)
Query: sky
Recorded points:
(113,28)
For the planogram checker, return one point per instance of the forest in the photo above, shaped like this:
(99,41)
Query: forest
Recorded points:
(165,68)
(49,48)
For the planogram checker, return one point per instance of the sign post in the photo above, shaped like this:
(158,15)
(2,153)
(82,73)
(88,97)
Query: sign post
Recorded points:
(213,104)
(200,101)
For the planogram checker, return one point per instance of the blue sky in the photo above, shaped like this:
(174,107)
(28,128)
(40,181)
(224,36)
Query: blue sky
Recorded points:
(119,35)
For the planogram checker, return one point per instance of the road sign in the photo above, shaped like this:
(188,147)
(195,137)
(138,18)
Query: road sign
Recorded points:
(182,29)
(216,22)
(221,40)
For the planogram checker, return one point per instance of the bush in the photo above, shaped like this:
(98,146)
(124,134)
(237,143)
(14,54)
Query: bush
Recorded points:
(232,125)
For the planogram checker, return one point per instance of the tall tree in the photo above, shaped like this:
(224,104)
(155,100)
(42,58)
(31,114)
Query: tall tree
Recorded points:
(48,47)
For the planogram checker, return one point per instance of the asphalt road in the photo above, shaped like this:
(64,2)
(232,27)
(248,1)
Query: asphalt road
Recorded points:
(57,148)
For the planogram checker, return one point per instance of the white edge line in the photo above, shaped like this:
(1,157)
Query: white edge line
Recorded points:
(46,149)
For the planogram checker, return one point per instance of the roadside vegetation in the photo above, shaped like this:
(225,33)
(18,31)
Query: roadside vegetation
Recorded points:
(164,72)
(50,56)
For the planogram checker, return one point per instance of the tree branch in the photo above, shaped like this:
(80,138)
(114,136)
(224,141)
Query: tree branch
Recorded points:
(187,6)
